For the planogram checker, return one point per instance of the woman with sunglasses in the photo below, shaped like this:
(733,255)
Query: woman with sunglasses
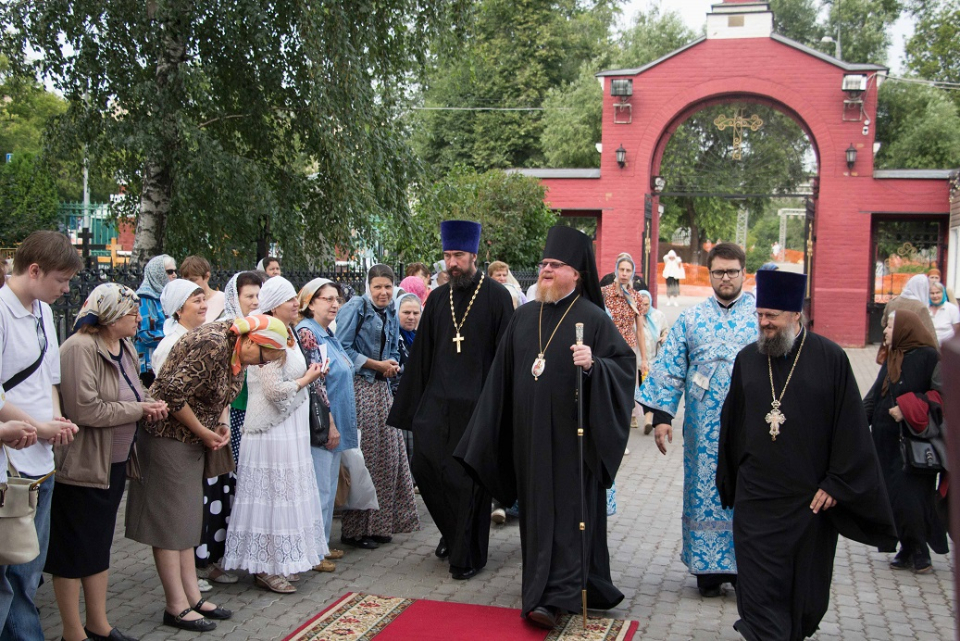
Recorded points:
(158,272)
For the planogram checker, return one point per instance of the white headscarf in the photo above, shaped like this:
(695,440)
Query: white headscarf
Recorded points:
(172,298)
(274,293)
(917,288)
(231,298)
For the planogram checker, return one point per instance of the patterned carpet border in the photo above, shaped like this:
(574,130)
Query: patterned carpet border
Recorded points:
(361,617)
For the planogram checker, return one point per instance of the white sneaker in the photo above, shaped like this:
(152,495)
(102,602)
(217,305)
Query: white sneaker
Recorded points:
(204,585)
(499,516)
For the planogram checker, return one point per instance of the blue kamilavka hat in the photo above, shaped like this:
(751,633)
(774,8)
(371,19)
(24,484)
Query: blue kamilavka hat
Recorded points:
(781,290)
(460,235)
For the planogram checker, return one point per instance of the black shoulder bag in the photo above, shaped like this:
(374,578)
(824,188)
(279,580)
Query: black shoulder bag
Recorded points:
(924,453)
(319,410)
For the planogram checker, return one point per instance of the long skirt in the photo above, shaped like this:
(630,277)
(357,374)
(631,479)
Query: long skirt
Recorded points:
(673,286)
(218,496)
(277,525)
(385,455)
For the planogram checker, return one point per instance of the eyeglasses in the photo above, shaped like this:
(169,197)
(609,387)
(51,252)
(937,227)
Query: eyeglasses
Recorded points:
(171,272)
(769,315)
(332,299)
(552,264)
(41,333)
(729,273)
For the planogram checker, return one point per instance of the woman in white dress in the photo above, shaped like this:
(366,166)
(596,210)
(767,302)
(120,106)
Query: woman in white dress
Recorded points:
(276,530)
(673,272)
(945,315)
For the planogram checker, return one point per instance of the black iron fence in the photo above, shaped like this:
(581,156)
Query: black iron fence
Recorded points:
(66,308)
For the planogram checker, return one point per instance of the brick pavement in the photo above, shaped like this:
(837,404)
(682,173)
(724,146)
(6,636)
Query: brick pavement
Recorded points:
(868,599)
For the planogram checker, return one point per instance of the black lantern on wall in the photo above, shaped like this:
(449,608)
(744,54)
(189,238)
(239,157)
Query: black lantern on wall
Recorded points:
(851,156)
(621,156)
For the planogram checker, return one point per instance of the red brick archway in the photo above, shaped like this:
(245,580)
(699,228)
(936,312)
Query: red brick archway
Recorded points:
(741,58)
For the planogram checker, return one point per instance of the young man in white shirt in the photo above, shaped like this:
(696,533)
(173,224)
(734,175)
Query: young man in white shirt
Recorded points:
(43,266)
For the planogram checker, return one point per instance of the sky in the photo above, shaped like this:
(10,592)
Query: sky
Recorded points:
(694,14)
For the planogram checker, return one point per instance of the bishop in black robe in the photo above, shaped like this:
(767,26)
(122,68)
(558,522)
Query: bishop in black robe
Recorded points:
(522,441)
(435,400)
(784,550)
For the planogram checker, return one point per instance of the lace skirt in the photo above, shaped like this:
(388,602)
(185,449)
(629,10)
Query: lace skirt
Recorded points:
(276,526)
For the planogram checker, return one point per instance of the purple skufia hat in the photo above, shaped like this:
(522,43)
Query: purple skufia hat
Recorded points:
(460,235)
(781,290)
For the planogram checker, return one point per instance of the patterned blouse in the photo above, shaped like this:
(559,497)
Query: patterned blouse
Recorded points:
(196,373)
(624,316)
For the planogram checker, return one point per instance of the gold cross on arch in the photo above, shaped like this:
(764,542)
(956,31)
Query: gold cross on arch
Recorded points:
(738,122)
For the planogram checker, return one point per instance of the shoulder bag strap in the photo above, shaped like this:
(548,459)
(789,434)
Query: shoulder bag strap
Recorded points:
(24,374)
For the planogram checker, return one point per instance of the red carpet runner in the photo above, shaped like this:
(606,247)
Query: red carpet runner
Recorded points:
(356,617)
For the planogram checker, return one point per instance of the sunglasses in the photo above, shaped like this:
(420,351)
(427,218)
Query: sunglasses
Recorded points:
(171,272)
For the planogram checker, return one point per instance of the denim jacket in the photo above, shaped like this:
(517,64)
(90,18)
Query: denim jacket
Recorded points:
(365,344)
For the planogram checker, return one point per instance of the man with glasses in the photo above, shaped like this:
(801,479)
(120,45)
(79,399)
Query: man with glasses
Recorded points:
(798,465)
(459,330)
(696,360)
(43,266)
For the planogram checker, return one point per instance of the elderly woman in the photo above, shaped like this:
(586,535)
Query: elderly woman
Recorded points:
(158,272)
(655,330)
(165,508)
(102,395)
(320,299)
(409,310)
(185,306)
(277,524)
(241,297)
(912,366)
(368,329)
(945,315)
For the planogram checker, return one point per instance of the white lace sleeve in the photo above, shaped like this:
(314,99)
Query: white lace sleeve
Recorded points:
(276,388)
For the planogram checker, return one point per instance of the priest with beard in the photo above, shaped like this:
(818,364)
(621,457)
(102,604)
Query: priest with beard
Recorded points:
(461,326)
(522,440)
(798,467)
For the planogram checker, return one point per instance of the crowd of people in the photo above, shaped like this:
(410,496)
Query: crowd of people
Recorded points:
(235,419)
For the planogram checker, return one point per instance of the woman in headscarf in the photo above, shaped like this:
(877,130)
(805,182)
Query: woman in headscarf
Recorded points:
(240,297)
(159,271)
(368,329)
(276,530)
(673,273)
(185,307)
(655,330)
(915,296)
(319,302)
(165,507)
(103,396)
(945,315)
(409,310)
(912,366)
(619,298)
(414,285)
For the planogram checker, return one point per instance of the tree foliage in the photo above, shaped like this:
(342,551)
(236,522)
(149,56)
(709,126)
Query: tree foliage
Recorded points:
(237,124)
(918,126)
(933,52)
(509,206)
(28,199)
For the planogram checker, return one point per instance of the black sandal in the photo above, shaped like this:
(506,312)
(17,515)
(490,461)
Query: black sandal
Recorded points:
(217,613)
(197,625)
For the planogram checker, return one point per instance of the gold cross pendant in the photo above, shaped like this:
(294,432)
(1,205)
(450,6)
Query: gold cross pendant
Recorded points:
(458,339)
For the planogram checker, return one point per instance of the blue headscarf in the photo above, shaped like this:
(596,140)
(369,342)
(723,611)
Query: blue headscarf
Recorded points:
(407,335)
(651,323)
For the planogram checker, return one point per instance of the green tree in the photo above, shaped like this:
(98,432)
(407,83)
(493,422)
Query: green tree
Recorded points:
(509,206)
(933,52)
(797,20)
(864,28)
(514,53)
(237,124)
(918,126)
(28,199)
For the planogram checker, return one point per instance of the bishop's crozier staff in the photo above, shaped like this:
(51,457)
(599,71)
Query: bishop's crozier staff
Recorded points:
(522,439)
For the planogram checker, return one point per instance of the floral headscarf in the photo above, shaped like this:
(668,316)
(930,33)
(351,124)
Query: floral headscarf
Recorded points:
(107,303)
(155,276)
(266,331)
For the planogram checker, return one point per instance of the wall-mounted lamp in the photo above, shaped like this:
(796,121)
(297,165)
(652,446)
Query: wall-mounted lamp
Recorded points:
(621,156)
(657,183)
(851,156)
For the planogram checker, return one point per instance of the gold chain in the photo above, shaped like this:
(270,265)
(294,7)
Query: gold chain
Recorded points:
(773,390)
(543,348)
(453,314)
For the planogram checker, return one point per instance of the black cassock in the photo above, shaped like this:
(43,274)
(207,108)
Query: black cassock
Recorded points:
(435,399)
(522,443)
(784,551)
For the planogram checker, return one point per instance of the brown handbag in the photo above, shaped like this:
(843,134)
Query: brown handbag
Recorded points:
(217,462)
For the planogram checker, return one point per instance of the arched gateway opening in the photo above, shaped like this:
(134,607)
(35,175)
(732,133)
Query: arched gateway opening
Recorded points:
(834,102)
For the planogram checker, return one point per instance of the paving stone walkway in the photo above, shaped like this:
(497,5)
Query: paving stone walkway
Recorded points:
(868,599)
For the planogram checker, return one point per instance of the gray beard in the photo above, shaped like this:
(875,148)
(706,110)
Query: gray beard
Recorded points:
(462,280)
(779,345)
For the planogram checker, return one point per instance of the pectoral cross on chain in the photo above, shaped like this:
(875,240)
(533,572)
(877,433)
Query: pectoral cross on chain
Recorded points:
(775,419)
(738,122)
(457,339)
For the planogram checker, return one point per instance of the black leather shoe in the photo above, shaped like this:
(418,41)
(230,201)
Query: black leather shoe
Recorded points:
(543,616)
(902,562)
(462,574)
(380,539)
(362,543)
(115,635)
(442,550)
(198,625)
(711,592)
(221,614)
